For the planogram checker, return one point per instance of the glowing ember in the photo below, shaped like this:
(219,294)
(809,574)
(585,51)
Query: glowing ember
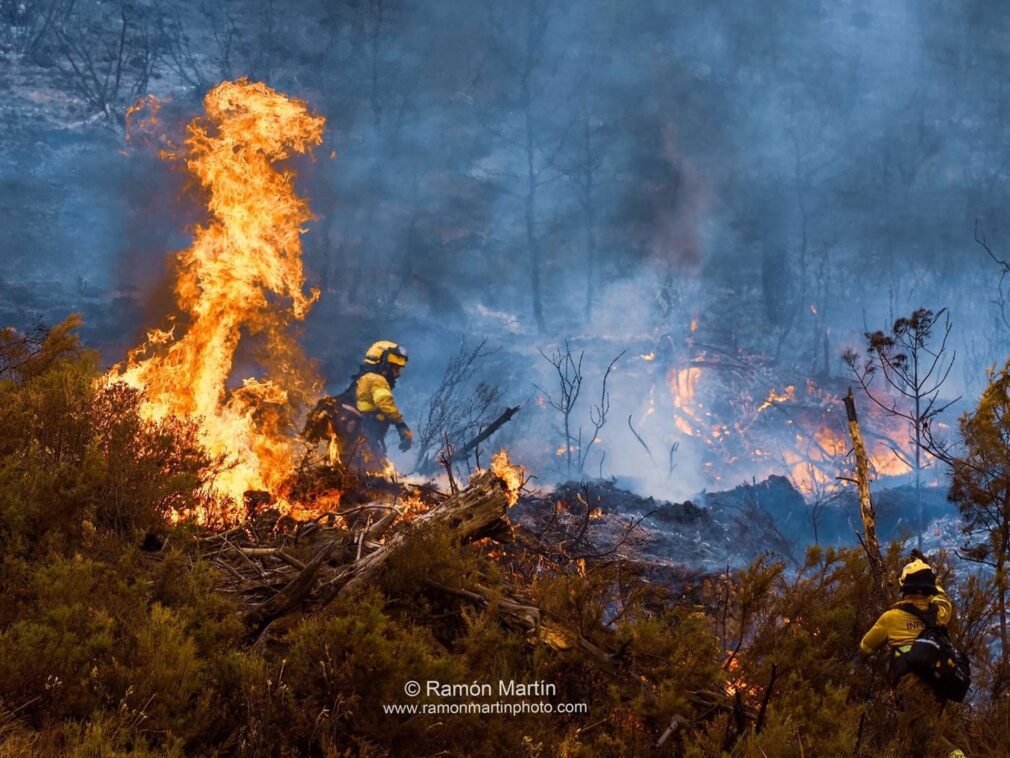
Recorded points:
(805,438)
(735,681)
(234,280)
(776,397)
(683,426)
(684,384)
(513,476)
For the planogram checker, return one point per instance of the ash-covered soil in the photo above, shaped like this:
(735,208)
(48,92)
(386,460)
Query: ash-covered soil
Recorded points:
(717,529)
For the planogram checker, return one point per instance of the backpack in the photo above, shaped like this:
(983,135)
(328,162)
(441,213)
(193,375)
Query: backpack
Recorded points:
(335,414)
(935,659)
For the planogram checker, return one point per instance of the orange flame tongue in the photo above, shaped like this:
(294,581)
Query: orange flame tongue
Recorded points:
(240,264)
(513,476)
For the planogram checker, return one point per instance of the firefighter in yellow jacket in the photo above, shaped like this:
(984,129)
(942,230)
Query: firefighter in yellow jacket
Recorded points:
(920,708)
(351,427)
(373,398)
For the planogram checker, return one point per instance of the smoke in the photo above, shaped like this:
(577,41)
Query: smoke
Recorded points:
(752,183)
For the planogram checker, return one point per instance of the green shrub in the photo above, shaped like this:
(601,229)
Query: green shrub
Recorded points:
(106,650)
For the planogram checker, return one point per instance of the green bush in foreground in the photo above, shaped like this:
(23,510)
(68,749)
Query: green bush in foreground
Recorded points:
(107,650)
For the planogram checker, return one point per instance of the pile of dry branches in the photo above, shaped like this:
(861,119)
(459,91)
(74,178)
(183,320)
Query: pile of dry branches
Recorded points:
(283,570)
(279,566)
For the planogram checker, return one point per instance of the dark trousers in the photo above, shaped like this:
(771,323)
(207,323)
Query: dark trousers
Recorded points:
(368,450)
(920,720)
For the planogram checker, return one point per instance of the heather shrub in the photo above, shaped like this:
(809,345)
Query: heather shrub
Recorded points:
(343,667)
(113,645)
(76,457)
(47,460)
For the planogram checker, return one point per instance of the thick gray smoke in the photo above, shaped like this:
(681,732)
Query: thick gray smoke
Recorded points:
(737,189)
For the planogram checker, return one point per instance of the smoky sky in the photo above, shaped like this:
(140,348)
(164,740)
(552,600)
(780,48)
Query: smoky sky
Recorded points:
(784,175)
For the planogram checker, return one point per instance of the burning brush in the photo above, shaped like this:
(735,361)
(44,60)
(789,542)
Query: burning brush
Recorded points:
(242,275)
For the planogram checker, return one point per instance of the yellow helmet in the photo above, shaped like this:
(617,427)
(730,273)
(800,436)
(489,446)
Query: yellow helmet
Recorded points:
(918,576)
(386,352)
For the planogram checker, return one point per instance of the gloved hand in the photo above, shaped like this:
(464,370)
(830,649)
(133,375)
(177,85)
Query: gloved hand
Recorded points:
(406,437)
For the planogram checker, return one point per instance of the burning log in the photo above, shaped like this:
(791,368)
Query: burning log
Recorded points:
(271,571)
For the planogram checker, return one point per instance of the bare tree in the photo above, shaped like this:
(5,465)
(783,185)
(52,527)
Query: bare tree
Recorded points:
(28,24)
(568,368)
(1002,301)
(597,417)
(457,408)
(537,140)
(569,371)
(185,48)
(107,53)
(582,167)
(913,372)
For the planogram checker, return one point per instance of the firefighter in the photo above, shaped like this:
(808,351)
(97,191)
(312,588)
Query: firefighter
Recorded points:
(919,707)
(351,427)
(373,398)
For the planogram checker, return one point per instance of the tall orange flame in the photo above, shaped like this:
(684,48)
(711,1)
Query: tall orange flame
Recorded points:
(242,276)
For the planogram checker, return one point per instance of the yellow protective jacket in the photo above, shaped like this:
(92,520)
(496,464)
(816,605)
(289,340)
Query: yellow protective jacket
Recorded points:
(374,397)
(899,628)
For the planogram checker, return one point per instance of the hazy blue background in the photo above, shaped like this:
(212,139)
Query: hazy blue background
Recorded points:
(787,174)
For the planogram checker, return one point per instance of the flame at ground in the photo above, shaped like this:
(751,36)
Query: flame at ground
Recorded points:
(243,266)
(799,431)
(513,476)
(688,413)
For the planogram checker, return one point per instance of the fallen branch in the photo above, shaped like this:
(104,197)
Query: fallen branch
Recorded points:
(375,531)
(490,429)
(275,552)
(677,722)
(467,514)
(289,597)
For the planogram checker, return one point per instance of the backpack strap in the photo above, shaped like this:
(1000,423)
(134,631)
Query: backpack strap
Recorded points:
(348,395)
